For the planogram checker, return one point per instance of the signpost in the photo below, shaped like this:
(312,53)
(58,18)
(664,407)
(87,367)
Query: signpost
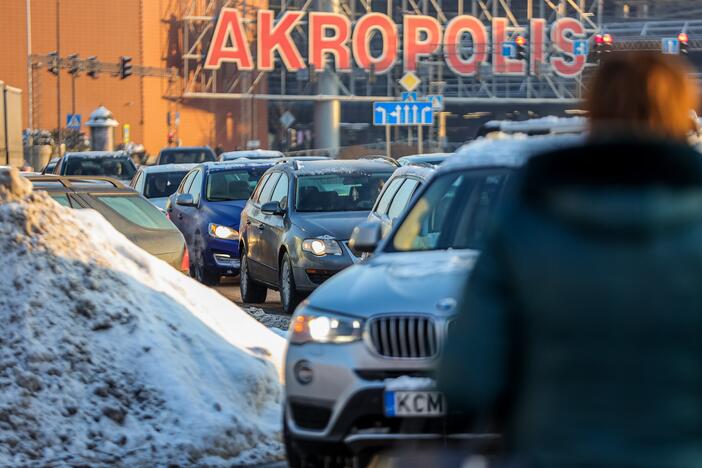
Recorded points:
(73,121)
(670,46)
(581,48)
(403,113)
(509,49)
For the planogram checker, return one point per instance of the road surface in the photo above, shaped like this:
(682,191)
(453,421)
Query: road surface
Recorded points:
(229,288)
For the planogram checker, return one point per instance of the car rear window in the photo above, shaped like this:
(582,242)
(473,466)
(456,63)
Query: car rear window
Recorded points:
(136,210)
(118,168)
(162,184)
(186,156)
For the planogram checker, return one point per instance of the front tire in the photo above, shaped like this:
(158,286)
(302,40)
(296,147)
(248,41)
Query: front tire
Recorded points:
(251,291)
(199,271)
(289,296)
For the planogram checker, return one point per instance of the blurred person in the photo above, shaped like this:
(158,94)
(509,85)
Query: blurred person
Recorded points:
(580,332)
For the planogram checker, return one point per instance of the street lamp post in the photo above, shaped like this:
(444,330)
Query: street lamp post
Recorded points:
(58,74)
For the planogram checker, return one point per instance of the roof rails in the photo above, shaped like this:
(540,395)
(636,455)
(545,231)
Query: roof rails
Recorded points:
(386,159)
(68,181)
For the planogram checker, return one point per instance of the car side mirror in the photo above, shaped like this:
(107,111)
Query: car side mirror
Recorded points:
(185,199)
(366,237)
(272,208)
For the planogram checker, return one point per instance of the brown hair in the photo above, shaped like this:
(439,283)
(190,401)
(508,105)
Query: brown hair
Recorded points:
(645,93)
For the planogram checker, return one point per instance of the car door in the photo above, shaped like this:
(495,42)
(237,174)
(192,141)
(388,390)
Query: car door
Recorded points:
(256,247)
(174,210)
(189,214)
(399,203)
(273,228)
(380,212)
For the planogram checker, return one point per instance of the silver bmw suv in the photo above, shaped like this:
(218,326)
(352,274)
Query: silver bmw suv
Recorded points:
(363,348)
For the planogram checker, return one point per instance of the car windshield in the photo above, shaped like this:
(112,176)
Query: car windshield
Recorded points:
(119,168)
(338,192)
(192,156)
(453,213)
(235,184)
(162,184)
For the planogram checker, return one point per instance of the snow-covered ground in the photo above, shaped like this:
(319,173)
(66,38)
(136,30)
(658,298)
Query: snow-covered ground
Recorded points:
(108,355)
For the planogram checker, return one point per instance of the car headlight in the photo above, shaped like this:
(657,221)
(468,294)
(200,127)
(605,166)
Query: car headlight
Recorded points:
(223,232)
(312,327)
(321,247)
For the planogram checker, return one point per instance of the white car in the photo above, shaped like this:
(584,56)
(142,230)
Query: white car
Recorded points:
(157,183)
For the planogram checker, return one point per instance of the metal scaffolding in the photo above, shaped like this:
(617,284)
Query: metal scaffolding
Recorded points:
(199,18)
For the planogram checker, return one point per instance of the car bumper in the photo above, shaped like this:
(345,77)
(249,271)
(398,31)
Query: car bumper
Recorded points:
(344,401)
(222,256)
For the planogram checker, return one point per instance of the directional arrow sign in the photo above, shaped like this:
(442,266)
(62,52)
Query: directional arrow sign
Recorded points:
(509,49)
(670,46)
(407,113)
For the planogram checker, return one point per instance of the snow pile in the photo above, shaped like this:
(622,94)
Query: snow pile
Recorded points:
(110,356)
(281,322)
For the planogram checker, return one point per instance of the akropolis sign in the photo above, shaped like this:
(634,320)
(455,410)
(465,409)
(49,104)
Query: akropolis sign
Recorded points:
(332,34)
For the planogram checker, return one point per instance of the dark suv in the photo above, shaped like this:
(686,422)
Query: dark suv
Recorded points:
(296,226)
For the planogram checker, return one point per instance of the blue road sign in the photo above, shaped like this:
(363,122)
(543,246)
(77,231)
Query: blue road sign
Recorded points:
(581,47)
(437,102)
(509,49)
(403,113)
(73,121)
(407,96)
(670,45)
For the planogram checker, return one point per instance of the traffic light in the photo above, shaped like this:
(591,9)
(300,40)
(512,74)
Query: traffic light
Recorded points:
(53,63)
(125,67)
(522,44)
(92,67)
(74,62)
(603,43)
(684,41)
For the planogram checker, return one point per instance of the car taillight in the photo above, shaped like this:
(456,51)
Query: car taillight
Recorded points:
(185,263)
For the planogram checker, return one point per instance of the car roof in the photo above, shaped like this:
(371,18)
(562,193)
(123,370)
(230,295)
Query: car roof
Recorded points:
(550,124)
(425,157)
(256,153)
(335,166)
(509,151)
(236,164)
(177,149)
(96,154)
(51,183)
(167,168)
(420,172)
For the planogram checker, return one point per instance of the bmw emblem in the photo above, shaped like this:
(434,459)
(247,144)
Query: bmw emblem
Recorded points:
(446,305)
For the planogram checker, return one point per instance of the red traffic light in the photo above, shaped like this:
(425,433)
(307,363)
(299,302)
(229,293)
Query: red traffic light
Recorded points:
(521,41)
(683,38)
(599,40)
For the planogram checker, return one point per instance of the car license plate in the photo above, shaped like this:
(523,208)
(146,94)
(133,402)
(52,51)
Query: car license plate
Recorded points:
(416,404)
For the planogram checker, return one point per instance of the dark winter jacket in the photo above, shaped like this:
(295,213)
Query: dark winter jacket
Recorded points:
(581,326)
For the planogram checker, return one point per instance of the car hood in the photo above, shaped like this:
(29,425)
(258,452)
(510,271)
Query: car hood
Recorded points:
(419,282)
(226,212)
(338,224)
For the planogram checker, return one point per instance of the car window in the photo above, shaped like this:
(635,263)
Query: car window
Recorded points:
(259,186)
(233,184)
(136,210)
(338,192)
(402,198)
(118,167)
(267,189)
(280,194)
(160,184)
(386,198)
(454,212)
(196,186)
(62,199)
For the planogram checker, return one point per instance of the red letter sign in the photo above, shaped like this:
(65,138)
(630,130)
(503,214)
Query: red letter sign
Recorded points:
(415,47)
(452,41)
(229,29)
(559,36)
(538,44)
(321,44)
(365,27)
(277,38)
